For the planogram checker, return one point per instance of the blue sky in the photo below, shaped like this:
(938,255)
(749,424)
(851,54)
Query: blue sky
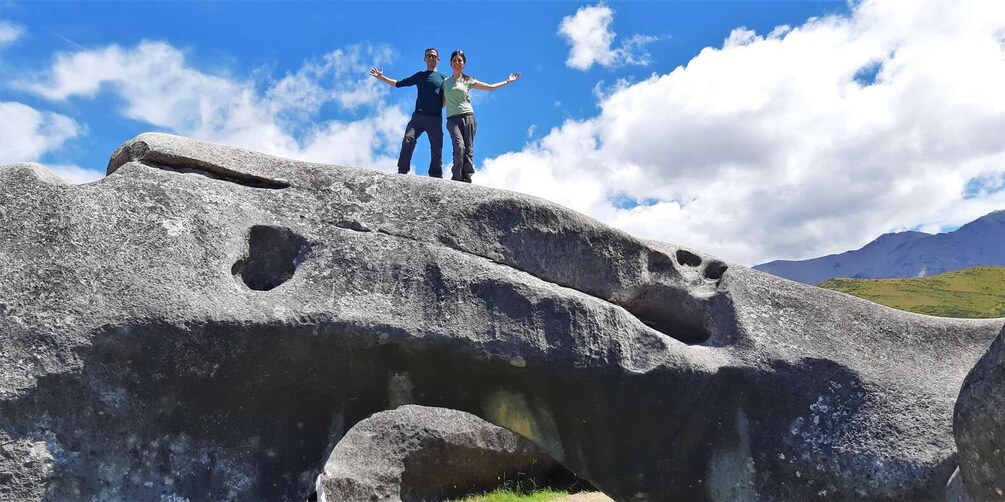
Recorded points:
(753,130)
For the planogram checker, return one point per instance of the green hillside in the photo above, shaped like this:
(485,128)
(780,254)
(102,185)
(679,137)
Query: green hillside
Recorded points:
(972,292)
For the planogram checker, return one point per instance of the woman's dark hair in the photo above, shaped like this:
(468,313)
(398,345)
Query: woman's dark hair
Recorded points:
(464,58)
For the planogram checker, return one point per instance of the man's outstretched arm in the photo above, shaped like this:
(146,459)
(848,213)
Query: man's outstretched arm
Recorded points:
(378,73)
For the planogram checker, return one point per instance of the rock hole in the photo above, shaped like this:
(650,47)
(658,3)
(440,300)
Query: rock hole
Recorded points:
(688,258)
(274,253)
(714,270)
(671,313)
(666,308)
(660,263)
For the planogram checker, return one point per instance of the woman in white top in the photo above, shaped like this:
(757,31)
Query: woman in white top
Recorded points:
(461,123)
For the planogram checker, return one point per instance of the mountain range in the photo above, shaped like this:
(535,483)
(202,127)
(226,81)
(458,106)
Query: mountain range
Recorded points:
(905,254)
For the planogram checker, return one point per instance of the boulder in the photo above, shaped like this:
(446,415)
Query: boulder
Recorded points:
(979,425)
(420,453)
(205,323)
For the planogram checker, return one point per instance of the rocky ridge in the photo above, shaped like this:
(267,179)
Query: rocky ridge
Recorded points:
(206,323)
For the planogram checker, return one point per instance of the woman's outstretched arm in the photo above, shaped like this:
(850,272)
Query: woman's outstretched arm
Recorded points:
(491,87)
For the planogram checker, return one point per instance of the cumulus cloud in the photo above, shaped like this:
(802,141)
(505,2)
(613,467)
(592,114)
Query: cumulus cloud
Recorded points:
(75,174)
(805,141)
(362,142)
(158,86)
(588,32)
(338,76)
(26,133)
(9,33)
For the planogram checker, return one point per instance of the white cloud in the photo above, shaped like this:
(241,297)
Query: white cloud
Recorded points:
(9,33)
(588,32)
(770,147)
(158,86)
(362,142)
(26,133)
(76,174)
(344,70)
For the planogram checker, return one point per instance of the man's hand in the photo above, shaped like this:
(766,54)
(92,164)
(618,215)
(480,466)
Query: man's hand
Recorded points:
(378,73)
(513,77)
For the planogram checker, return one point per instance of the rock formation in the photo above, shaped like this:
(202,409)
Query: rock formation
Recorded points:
(205,323)
(417,453)
(979,426)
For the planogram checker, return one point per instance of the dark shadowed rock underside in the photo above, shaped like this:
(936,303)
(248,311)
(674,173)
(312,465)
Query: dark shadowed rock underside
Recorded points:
(207,322)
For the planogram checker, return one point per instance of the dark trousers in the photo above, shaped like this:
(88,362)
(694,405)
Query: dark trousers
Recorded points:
(431,125)
(462,136)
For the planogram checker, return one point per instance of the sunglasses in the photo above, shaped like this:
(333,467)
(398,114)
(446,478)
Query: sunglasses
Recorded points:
(432,56)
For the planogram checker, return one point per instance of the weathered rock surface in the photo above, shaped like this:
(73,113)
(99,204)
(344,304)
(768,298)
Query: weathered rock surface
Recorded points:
(206,323)
(979,425)
(955,490)
(417,453)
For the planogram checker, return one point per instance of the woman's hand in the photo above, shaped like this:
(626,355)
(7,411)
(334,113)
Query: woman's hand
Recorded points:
(376,73)
(498,85)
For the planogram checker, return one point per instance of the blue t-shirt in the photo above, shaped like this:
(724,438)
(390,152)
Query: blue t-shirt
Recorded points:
(429,92)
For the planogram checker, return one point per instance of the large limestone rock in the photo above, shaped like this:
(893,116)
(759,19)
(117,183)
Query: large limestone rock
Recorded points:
(418,453)
(205,323)
(979,425)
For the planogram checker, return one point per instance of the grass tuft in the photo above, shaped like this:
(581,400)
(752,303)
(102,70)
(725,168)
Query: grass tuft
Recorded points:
(519,490)
(509,495)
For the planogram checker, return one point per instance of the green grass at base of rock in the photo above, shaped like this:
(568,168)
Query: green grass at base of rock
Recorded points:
(976,292)
(507,495)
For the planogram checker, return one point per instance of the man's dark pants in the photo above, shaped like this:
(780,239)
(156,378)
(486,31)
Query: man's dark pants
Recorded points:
(432,125)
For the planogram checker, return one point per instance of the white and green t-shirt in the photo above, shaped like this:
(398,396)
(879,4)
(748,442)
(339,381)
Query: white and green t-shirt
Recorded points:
(456,93)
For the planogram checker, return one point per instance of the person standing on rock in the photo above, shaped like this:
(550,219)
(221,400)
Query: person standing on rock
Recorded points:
(428,115)
(461,115)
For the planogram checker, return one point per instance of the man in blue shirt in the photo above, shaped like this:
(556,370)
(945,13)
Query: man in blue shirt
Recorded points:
(428,115)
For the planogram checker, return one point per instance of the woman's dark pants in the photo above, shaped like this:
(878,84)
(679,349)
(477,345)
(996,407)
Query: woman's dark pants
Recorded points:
(462,135)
